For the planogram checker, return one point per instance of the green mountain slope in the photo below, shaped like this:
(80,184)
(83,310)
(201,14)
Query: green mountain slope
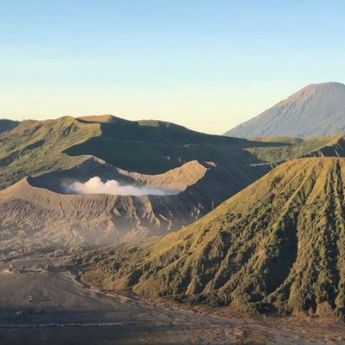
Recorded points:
(285,148)
(148,147)
(153,147)
(278,246)
(35,147)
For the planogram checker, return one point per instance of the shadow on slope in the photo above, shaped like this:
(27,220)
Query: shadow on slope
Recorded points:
(152,147)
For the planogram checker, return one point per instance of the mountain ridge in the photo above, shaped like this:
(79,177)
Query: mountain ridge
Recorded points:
(317,109)
(147,147)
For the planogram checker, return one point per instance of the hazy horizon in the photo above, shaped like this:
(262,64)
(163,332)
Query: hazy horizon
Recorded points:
(206,65)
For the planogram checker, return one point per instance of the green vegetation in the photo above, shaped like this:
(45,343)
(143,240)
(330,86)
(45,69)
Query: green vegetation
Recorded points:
(290,148)
(151,147)
(277,246)
(34,147)
(37,146)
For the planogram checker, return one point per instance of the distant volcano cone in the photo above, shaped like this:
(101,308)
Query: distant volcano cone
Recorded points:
(278,245)
(318,109)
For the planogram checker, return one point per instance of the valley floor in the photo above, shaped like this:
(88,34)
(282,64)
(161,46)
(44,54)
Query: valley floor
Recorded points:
(40,306)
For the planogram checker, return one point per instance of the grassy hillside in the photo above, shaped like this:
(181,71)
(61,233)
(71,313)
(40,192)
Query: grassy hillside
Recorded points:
(277,246)
(286,148)
(149,147)
(37,146)
(153,147)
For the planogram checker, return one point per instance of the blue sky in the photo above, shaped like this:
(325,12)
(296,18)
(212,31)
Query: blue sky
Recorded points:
(208,65)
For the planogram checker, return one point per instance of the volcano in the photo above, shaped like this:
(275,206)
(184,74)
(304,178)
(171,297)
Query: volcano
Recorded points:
(316,110)
(276,246)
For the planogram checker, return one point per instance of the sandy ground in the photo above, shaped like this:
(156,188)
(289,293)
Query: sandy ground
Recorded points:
(39,307)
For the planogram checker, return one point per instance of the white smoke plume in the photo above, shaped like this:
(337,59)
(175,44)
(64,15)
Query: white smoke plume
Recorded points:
(96,186)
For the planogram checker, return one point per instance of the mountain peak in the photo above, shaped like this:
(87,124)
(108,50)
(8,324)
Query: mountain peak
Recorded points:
(317,109)
(319,89)
(326,85)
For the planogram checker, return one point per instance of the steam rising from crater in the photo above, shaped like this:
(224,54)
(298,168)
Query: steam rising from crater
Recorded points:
(96,186)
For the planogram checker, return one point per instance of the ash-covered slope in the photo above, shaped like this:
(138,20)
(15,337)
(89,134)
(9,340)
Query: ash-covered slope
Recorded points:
(318,109)
(38,214)
(278,245)
(38,211)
